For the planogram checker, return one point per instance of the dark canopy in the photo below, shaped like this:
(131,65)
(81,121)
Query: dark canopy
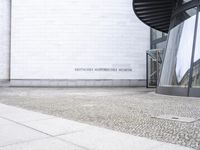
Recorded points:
(154,13)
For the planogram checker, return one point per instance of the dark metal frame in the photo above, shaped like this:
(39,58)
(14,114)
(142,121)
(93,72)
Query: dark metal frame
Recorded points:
(193,51)
(179,10)
(189,91)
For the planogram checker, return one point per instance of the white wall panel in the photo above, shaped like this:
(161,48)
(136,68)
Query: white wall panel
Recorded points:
(61,39)
(4,38)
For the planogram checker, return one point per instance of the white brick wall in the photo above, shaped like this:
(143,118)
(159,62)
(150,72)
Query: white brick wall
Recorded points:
(50,38)
(4,38)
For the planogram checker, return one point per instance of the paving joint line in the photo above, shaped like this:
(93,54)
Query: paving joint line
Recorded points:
(38,120)
(24,125)
(56,137)
(2,146)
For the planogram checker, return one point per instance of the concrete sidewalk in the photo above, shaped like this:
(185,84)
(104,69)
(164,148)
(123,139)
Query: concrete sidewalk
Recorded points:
(26,130)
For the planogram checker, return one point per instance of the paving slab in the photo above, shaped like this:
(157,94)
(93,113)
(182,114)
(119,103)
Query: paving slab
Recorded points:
(57,126)
(21,115)
(43,144)
(13,133)
(6,109)
(4,122)
(96,138)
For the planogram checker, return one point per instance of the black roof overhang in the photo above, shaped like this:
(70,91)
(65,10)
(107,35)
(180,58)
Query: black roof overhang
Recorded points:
(154,13)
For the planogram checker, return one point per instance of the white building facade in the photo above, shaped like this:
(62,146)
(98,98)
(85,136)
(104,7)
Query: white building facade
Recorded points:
(72,43)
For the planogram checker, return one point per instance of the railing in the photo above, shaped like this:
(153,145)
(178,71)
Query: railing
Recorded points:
(154,59)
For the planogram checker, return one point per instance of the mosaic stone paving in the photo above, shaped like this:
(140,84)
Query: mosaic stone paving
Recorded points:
(129,110)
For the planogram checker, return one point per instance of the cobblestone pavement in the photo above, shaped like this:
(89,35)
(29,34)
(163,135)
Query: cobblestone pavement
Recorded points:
(128,110)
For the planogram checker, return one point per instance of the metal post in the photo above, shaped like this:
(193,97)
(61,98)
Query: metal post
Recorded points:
(147,71)
(193,51)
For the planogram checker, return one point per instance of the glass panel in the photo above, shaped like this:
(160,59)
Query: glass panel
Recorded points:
(178,55)
(156,34)
(161,45)
(191,12)
(185,1)
(182,2)
(184,15)
(196,65)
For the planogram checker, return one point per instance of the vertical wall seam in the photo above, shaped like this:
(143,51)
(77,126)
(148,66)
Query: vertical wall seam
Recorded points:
(9,70)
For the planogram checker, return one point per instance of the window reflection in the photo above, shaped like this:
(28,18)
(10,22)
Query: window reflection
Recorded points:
(196,65)
(185,50)
(178,55)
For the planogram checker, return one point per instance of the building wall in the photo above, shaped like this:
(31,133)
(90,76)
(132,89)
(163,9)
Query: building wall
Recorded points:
(4,39)
(77,40)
